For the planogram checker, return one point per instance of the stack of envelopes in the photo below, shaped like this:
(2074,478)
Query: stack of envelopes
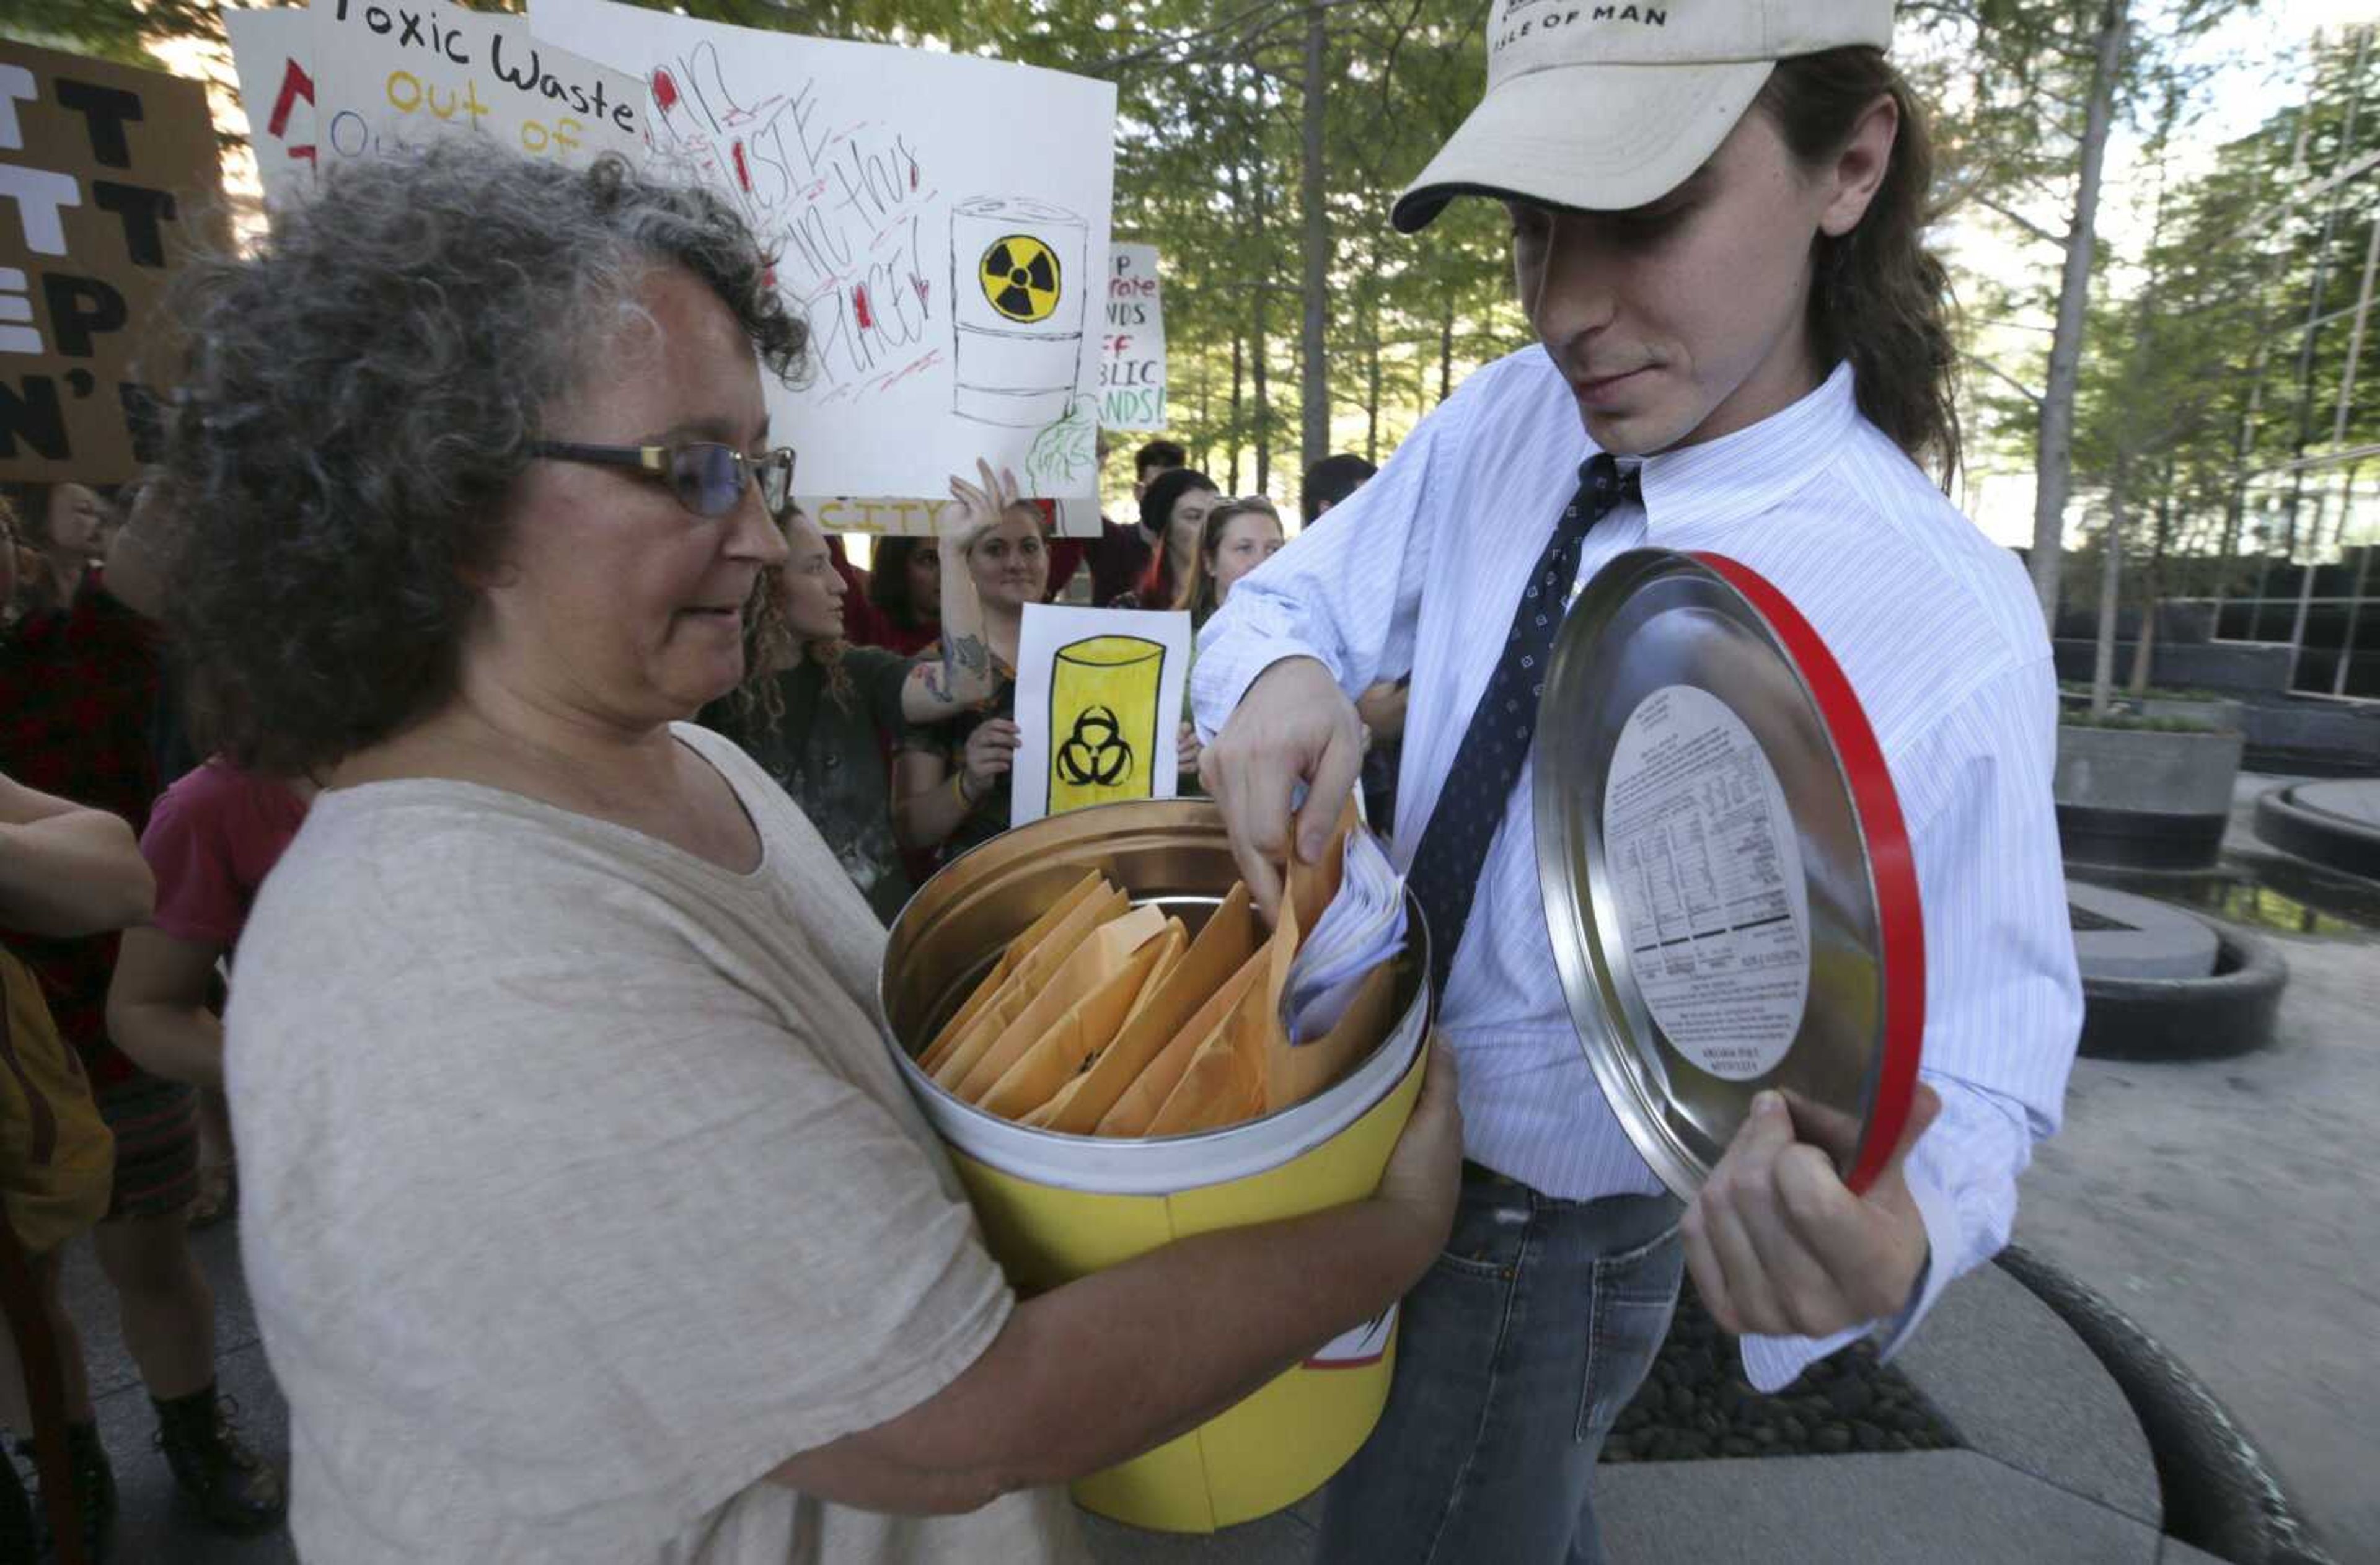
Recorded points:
(1104,1019)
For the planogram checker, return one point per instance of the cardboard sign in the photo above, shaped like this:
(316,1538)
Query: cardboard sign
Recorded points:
(1132,368)
(940,220)
(110,179)
(269,51)
(1098,698)
(391,74)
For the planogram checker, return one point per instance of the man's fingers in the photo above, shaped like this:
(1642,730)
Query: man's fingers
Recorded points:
(1924,1107)
(1710,1277)
(1255,804)
(1335,771)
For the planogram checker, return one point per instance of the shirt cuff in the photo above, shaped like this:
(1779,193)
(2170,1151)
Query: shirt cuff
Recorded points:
(1771,1364)
(1219,680)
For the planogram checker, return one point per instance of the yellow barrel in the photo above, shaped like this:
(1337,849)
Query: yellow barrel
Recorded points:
(1055,1207)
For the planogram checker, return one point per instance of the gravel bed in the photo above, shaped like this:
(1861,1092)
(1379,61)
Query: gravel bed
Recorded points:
(1695,1404)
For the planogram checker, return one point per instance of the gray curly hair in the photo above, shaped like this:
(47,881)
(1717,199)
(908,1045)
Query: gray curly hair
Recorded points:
(359,398)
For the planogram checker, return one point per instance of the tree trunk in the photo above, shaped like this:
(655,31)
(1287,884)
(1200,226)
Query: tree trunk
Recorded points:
(1446,351)
(1262,383)
(1314,392)
(1237,439)
(2111,581)
(2153,586)
(1372,387)
(2056,455)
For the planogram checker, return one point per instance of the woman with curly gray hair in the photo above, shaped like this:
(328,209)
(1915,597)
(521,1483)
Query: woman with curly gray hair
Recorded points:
(585,1214)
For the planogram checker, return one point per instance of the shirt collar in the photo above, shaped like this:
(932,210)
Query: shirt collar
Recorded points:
(1743,474)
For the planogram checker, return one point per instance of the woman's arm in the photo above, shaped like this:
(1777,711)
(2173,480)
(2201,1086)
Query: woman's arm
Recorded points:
(944,687)
(157,1006)
(66,870)
(1099,1370)
(930,799)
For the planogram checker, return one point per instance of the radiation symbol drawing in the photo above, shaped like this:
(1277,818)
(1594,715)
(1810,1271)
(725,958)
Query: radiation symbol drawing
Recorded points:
(1095,754)
(1020,278)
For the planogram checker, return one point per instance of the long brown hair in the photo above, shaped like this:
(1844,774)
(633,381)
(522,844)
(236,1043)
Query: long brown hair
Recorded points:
(1878,297)
(1198,594)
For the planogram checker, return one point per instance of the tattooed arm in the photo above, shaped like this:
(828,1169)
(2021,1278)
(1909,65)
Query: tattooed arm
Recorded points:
(961,677)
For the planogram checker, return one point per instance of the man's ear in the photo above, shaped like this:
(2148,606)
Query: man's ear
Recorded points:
(1859,169)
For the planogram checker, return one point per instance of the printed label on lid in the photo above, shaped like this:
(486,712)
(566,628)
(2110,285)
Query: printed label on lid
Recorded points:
(1704,863)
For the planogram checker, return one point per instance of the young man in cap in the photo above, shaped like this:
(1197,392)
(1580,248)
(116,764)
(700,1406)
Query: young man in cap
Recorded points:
(1717,211)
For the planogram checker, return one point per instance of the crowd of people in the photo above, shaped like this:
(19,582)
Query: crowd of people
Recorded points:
(461,756)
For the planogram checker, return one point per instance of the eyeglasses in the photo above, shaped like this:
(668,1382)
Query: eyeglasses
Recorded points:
(708,479)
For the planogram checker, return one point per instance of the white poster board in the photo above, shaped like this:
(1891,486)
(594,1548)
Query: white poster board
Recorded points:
(402,73)
(271,52)
(940,220)
(1099,699)
(1132,366)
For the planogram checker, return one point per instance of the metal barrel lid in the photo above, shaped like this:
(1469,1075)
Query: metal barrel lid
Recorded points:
(1725,870)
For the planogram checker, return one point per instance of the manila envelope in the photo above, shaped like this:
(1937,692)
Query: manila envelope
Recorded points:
(1311,887)
(1093,963)
(1049,1062)
(1018,949)
(1225,1081)
(1268,1034)
(1222,949)
(1313,1066)
(1141,1100)
(1032,974)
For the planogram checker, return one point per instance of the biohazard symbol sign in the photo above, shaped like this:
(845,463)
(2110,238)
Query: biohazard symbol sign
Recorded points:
(1020,278)
(1096,754)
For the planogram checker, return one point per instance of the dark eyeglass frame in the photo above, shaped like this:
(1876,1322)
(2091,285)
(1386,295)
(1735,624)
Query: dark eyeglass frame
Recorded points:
(662,464)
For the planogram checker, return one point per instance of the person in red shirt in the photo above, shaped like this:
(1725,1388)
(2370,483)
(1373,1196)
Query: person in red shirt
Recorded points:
(211,841)
(1173,512)
(900,610)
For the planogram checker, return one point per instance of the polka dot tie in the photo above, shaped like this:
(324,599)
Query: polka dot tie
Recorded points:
(1445,873)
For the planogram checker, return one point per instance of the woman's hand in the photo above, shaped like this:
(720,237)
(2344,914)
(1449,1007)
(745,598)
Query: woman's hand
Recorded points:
(1424,1172)
(973,508)
(1382,708)
(1187,749)
(991,752)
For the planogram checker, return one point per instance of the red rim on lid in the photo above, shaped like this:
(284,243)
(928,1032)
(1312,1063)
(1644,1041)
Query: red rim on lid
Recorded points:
(1725,870)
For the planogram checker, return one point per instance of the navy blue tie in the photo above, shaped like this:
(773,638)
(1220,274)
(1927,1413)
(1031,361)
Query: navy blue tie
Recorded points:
(1445,872)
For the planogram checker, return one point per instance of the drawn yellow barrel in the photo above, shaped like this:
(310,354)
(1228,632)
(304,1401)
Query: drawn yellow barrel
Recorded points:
(1019,289)
(1107,734)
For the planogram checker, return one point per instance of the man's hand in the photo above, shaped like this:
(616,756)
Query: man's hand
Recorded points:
(1780,1247)
(1294,725)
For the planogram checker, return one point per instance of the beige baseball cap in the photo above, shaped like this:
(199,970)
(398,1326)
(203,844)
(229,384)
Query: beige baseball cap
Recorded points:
(1609,107)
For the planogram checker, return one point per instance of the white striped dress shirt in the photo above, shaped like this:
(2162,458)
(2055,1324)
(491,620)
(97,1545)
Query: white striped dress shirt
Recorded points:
(1936,628)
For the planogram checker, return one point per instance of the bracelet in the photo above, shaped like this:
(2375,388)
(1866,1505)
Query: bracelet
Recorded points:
(958,786)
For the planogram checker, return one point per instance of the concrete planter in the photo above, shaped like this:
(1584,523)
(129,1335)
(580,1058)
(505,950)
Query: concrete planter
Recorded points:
(2217,714)
(2143,800)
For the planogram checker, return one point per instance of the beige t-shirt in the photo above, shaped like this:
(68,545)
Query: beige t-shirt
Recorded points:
(578,1192)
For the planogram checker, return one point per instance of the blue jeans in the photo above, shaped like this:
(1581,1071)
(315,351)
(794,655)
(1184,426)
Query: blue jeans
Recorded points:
(1517,1351)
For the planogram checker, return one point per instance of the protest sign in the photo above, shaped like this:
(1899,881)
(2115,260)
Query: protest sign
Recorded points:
(915,518)
(270,50)
(1098,701)
(940,220)
(109,176)
(1132,371)
(404,73)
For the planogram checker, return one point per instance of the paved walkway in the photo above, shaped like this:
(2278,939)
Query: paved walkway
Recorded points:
(2057,1470)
